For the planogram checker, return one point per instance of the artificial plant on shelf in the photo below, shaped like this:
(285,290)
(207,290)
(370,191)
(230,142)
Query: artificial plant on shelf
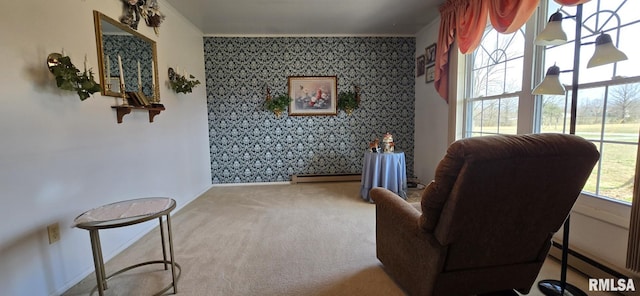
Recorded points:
(182,84)
(68,77)
(348,101)
(277,104)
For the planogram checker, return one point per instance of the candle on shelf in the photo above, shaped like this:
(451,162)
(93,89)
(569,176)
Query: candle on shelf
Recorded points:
(139,76)
(108,66)
(85,62)
(153,82)
(121,74)
(153,74)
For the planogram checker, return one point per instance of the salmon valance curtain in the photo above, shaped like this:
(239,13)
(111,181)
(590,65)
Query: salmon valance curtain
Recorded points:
(465,21)
(571,2)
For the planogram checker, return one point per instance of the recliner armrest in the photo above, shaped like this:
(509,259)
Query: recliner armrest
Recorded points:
(404,248)
(405,214)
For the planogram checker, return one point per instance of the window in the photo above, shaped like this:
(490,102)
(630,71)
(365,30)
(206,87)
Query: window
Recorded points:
(608,108)
(495,83)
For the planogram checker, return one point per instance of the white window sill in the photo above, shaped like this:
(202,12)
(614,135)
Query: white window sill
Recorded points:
(609,211)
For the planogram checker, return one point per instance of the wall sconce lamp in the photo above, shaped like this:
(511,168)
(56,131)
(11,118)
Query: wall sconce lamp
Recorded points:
(605,53)
(268,98)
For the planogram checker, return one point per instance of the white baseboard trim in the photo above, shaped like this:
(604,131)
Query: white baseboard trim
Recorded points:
(249,184)
(325,178)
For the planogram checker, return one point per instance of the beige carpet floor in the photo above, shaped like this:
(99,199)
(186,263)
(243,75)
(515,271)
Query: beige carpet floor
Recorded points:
(303,239)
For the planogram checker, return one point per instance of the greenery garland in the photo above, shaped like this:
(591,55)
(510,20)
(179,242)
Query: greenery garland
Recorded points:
(68,77)
(277,104)
(182,84)
(348,101)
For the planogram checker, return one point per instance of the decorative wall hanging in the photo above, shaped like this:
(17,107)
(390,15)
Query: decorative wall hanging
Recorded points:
(277,104)
(430,55)
(138,54)
(313,95)
(420,66)
(180,83)
(349,100)
(431,74)
(68,77)
(134,10)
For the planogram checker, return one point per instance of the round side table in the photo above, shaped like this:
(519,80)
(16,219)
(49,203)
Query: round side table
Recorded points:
(125,213)
(387,170)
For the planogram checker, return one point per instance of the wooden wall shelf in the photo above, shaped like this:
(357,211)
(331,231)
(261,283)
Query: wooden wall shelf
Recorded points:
(121,111)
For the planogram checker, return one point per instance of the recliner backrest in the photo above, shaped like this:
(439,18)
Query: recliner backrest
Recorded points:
(497,200)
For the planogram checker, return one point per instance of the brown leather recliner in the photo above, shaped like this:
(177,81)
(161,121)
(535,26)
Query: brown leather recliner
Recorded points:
(485,222)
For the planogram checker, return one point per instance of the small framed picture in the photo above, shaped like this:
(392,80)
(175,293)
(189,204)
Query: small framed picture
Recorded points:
(420,66)
(430,54)
(431,73)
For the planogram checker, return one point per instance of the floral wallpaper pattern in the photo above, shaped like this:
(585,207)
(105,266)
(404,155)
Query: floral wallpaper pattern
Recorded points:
(250,144)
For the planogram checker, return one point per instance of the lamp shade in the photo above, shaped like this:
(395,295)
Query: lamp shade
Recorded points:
(605,52)
(552,33)
(550,85)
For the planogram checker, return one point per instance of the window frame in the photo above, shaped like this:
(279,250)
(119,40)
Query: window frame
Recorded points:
(603,208)
(525,122)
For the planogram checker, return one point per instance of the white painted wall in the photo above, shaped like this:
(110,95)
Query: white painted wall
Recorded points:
(431,121)
(60,156)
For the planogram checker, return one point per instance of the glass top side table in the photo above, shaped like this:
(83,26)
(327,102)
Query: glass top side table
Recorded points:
(125,213)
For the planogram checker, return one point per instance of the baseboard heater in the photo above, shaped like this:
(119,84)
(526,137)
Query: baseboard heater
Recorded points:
(325,178)
(589,267)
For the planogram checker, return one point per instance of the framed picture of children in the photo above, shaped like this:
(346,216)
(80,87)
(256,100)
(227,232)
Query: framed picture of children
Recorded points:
(431,74)
(420,66)
(430,54)
(313,95)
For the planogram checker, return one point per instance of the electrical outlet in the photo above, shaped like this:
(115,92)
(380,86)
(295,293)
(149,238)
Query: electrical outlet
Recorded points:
(54,233)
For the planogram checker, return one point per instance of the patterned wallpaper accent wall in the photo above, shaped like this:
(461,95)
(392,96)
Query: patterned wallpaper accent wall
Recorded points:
(249,144)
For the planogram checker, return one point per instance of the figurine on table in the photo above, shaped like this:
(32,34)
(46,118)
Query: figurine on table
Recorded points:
(387,143)
(374,146)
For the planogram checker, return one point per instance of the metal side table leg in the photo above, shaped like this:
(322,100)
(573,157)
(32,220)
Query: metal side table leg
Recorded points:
(164,249)
(173,259)
(98,261)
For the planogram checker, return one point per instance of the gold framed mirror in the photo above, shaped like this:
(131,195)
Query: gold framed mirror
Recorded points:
(120,47)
